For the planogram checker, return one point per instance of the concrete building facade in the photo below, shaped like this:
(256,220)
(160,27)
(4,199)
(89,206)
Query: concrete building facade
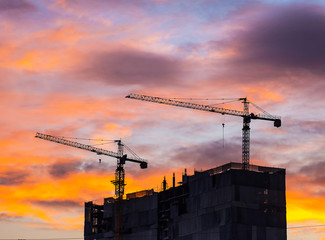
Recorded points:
(225,203)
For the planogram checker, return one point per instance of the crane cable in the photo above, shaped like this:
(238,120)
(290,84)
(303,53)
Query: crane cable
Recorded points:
(105,141)
(223,135)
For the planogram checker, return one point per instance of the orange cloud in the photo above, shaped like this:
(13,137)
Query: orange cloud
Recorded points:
(263,94)
(301,207)
(23,200)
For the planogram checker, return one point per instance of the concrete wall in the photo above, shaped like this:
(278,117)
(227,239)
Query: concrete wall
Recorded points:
(139,219)
(235,204)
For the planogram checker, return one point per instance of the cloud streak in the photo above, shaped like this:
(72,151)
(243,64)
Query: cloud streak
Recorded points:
(58,204)
(16,5)
(15,177)
(133,67)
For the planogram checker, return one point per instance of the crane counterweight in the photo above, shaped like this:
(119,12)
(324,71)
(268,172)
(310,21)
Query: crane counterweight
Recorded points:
(277,123)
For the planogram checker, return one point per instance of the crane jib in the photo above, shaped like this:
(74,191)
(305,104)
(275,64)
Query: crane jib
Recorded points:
(202,107)
(98,151)
(244,114)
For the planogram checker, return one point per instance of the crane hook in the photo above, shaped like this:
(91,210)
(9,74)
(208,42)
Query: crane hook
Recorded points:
(223,135)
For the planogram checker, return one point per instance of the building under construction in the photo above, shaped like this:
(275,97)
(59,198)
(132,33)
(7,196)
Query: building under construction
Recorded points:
(225,203)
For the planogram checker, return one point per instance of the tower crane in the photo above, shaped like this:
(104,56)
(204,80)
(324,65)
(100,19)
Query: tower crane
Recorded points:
(121,158)
(245,114)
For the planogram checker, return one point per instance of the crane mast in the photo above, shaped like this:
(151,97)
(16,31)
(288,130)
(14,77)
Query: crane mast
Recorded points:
(245,114)
(246,136)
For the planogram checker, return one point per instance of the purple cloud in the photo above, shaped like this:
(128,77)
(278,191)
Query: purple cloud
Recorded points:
(315,171)
(17,5)
(289,37)
(58,203)
(208,155)
(4,217)
(129,66)
(12,177)
(62,169)
(308,127)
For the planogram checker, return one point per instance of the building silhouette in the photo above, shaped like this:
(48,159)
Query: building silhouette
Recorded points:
(226,203)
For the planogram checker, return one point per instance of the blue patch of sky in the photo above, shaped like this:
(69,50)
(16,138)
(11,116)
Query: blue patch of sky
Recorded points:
(202,9)
(183,19)
(194,14)
(285,2)
(187,19)
(117,18)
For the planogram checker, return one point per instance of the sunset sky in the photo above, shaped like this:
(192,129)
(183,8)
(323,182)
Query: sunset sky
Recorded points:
(67,65)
